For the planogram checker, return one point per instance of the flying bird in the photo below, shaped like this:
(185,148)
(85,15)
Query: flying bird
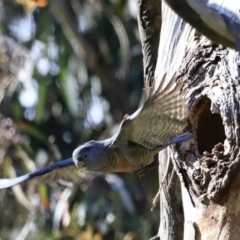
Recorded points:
(159,123)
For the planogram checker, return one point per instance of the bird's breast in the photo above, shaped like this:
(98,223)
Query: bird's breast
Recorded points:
(137,156)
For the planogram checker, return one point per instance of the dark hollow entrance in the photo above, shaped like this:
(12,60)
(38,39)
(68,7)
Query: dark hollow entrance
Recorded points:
(209,127)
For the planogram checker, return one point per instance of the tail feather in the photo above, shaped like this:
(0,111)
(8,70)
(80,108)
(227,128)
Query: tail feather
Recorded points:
(44,174)
(180,138)
(10,182)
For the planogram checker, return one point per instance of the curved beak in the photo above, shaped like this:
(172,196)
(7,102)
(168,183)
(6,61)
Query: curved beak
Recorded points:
(77,159)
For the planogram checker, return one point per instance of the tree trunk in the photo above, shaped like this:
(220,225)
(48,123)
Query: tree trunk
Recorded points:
(203,202)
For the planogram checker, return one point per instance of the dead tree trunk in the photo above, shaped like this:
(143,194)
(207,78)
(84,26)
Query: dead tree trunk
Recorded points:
(203,200)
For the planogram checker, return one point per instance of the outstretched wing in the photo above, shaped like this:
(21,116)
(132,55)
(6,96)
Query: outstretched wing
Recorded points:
(159,120)
(62,170)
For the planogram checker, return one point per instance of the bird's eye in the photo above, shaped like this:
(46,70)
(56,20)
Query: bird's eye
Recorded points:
(85,156)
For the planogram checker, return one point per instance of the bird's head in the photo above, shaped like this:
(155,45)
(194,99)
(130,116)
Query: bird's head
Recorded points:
(92,156)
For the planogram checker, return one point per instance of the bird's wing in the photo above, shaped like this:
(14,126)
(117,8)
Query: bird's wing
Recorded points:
(62,170)
(159,120)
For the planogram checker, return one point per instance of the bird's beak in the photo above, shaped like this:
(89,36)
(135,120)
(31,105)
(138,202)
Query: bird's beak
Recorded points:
(77,159)
(79,164)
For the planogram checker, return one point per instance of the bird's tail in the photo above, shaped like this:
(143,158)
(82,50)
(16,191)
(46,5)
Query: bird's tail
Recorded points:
(10,182)
(180,138)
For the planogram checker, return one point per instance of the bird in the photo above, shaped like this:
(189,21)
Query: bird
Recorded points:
(160,122)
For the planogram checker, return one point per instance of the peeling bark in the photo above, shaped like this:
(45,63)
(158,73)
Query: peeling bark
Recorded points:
(208,166)
(209,171)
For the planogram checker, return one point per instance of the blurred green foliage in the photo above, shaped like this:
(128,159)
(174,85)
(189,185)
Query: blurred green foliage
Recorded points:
(69,72)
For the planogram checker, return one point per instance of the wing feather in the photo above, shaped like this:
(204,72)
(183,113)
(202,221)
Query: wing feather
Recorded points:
(162,117)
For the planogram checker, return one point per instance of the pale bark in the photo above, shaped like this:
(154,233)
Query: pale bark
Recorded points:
(216,19)
(209,182)
(149,24)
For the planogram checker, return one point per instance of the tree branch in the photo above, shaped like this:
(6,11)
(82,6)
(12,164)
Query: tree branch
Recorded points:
(213,21)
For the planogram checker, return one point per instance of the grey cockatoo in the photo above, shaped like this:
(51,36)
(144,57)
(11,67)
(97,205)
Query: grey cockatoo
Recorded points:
(159,123)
